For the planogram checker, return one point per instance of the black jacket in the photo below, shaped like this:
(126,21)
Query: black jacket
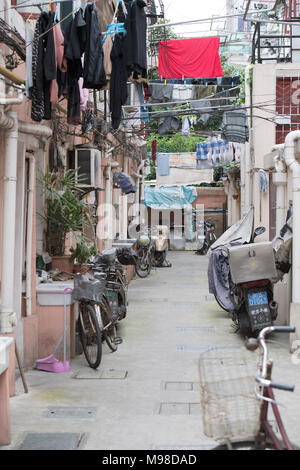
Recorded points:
(43,67)
(118,81)
(136,27)
(93,73)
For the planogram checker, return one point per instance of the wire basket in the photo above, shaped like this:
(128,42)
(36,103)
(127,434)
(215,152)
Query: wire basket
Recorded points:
(89,288)
(230,408)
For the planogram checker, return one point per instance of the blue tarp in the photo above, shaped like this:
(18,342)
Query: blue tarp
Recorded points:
(169,197)
(172,198)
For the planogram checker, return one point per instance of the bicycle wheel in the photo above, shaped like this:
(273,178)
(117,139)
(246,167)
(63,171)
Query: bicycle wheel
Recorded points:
(90,335)
(108,325)
(143,265)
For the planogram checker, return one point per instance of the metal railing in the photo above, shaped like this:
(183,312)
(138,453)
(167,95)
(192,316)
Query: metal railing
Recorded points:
(273,47)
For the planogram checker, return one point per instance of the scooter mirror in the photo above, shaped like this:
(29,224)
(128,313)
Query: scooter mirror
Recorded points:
(259,231)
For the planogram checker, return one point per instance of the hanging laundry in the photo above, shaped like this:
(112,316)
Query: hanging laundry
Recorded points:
(75,42)
(107,48)
(147,92)
(136,39)
(202,91)
(94,76)
(29,32)
(235,126)
(118,82)
(186,127)
(60,60)
(182,92)
(190,58)
(168,124)
(43,66)
(161,92)
(201,106)
(163,164)
(154,149)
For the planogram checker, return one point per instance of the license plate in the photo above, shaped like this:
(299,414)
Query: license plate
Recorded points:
(258,298)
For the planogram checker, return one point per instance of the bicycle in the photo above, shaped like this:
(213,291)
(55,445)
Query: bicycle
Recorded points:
(145,253)
(95,320)
(254,411)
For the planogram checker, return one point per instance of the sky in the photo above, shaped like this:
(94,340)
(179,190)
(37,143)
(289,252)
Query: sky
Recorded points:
(184,10)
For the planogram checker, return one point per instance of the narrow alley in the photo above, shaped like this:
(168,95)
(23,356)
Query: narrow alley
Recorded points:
(145,395)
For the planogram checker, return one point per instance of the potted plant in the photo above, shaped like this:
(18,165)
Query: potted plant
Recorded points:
(81,255)
(64,213)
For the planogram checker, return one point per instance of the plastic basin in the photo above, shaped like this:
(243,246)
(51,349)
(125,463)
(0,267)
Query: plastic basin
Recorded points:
(5,342)
(53,293)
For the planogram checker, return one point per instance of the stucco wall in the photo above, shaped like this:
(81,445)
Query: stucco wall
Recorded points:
(183,170)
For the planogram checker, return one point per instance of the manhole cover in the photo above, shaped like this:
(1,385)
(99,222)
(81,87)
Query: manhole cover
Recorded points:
(196,348)
(178,386)
(51,441)
(113,374)
(200,329)
(179,409)
(87,373)
(100,374)
(70,412)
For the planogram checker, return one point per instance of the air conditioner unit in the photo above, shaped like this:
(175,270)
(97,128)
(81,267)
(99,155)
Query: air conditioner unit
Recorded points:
(88,167)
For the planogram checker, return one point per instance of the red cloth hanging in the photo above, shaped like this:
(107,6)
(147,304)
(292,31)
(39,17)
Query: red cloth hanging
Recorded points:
(154,150)
(190,58)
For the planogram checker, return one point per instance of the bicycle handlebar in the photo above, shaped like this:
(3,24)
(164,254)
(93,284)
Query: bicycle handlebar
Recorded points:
(261,378)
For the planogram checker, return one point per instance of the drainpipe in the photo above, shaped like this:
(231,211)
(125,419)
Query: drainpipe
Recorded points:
(139,177)
(37,130)
(108,208)
(294,166)
(280,181)
(7,315)
(31,159)
(6,101)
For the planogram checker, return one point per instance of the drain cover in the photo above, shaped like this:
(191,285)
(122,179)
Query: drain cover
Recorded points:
(181,386)
(201,329)
(100,374)
(87,373)
(180,409)
(51,441)
(113,374)
(196,348)
(70,412)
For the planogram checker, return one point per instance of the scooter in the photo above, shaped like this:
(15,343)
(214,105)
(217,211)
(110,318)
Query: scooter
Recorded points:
(205,237)
(242,277)
(161,244)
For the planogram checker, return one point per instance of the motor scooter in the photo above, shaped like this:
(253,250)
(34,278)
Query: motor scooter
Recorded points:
(161,245)
(205,236)
(242,275)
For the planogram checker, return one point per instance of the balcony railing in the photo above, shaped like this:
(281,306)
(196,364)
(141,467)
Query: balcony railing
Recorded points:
(268,46)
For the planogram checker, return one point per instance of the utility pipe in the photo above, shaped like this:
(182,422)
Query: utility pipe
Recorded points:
(6,121)
(7,314)
(137,186)
(11,76)
(294,166)
(6,101)
(108,207)
(280,181)
(29,224)
(38,130)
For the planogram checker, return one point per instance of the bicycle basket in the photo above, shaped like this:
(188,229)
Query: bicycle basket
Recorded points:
(127,257)
(143,240)
(230,408)
(106,257)
(89,288)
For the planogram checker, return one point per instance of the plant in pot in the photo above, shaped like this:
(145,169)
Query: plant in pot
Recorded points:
(82,255)
(64,213)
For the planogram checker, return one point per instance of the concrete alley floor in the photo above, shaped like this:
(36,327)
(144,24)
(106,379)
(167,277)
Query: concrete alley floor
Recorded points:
(150,397)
